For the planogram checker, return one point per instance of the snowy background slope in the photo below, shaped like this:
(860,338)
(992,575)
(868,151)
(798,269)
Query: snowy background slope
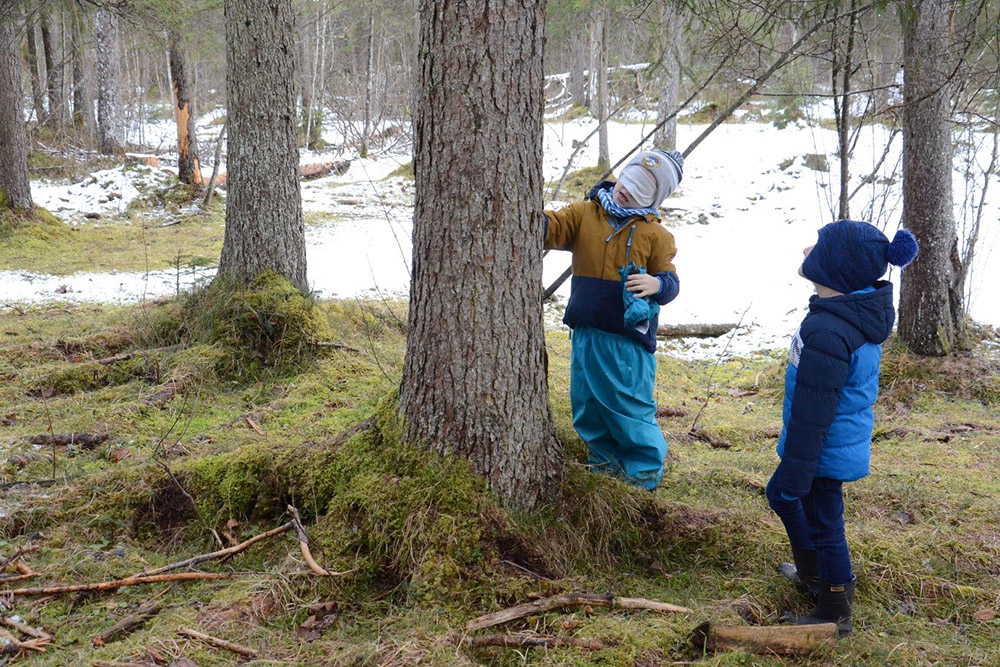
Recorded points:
(752,198)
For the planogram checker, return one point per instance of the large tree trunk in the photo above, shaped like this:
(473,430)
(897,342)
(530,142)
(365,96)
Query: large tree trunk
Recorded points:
(264,226)
(930,308)
(671,45)
(188,165)
(110,123)
(15,190)
(474,381)
(578,72)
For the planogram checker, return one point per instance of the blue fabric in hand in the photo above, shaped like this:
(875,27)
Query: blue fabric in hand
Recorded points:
(638,310)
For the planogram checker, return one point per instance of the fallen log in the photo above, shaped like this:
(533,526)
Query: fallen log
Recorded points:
(569,600)
(764,640)
(164,394)
(319,169)
(216,642)
(222,553)
(128,625)
(693,330)
(114,585)
(529,641)
(84,440)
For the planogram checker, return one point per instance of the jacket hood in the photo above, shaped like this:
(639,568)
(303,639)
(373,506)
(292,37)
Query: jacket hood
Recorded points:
(870,312)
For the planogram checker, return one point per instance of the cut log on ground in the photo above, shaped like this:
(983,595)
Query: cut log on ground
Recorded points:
(693,330)
(104,586)
(529,641)
(83,440)
(764,640)
(128,625)
(216,642)
(569,600)
(320,169)
(222,553)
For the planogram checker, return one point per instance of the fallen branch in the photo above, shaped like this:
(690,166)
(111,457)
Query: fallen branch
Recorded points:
(24,628)
(125,356)
(14,557)
(338,346)
(304,548)
(128,625)
(19,577)
(222,553)
(84,440)
(164,394)
(216,642)
(693,330)
(14,646)
(520,641)
(116,584)
(568,600)
(765,640)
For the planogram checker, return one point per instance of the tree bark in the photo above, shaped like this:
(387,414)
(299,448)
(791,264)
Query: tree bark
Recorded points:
(264,226)
(53,72)
(188,165)
(110,124)
(31,56)
(15,189)
(843,66)
(930,309)
(83,107)
(601,113)
(671,46)
(474,381)
(369,85)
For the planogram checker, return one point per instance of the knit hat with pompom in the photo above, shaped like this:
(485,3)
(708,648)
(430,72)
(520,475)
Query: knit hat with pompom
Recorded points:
(850,255)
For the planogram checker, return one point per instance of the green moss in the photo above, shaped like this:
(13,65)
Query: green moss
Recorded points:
(577,183)
(403,171)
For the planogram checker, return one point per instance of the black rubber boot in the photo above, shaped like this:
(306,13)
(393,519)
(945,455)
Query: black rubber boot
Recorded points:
(833,605)
(804,573)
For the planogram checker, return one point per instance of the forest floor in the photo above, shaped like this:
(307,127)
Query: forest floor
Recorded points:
(180,450)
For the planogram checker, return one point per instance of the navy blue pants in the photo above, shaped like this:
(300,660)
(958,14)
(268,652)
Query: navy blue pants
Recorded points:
(816,521)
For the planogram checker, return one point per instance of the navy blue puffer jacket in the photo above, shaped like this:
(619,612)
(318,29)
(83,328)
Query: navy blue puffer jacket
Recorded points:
(830,387)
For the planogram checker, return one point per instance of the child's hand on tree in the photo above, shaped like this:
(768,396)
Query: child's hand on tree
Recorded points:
(643,284)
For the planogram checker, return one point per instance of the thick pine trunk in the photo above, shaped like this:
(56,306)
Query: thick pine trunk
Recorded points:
(578,71)
(929,306)
(671,45)
(15,190)
(264,226)
(110,124)
(188,165)
(474,381)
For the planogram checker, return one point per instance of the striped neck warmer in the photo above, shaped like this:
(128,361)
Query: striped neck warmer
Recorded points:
(619,214)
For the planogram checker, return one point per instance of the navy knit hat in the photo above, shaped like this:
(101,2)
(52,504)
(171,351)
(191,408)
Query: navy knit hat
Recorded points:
(853,255)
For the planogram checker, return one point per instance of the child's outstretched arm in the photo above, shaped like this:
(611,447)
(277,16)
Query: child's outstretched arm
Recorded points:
(820,377)
(562,227)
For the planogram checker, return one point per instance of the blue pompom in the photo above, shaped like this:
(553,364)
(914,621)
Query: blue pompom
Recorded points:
(903,248)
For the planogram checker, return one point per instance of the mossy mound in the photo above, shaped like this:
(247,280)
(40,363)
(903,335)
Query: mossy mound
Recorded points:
(577,184)
(269,326)
(37,230)
(403,171)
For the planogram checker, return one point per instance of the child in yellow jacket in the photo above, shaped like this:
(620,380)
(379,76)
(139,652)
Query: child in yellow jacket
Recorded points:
(622,273)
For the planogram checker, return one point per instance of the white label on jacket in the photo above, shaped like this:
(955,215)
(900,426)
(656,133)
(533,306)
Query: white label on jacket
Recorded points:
(795,353)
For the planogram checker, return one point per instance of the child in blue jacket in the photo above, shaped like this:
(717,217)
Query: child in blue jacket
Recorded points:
(830,387)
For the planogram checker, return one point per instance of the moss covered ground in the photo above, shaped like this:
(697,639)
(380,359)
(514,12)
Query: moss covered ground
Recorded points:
(423,545)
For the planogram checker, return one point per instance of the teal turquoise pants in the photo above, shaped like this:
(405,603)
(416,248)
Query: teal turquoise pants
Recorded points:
(611,391)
